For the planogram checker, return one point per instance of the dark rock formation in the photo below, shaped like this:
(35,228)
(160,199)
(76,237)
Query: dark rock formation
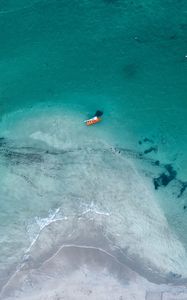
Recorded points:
(151,149)
(165,178)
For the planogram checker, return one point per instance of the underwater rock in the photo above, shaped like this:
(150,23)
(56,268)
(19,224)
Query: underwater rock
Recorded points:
(157,163)
(151,149)
(29,155)
(170,169)
(164,179)
(146,140)
(183,188)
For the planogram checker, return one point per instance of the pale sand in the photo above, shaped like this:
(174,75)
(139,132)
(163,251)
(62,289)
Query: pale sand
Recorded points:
(64,264)
(77,272)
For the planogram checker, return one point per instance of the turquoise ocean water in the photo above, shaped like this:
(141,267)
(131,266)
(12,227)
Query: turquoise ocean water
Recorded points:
(60,61)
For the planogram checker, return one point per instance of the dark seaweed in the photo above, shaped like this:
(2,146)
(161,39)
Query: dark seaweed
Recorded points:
(157,163)
(151,149)
(19,157)
(29,155)
(146,140)
(183,188)
(164,179)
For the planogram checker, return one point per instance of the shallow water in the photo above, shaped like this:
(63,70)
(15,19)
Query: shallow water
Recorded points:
(60,62)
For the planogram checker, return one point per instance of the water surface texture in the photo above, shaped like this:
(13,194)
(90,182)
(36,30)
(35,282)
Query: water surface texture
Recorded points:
(61,61)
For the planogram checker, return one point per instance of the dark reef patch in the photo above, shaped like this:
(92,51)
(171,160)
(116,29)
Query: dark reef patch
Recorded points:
(145,140)
(151,149)
(157,163)
(28,155)
(169,173)
(165,178)
(149,141)
(183,188)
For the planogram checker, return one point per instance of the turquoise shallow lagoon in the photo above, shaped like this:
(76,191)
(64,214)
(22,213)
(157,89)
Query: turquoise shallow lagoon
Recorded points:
(126,57)
(61,61)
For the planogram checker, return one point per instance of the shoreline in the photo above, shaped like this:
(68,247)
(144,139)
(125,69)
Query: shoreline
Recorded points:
(78,257)
(120,232)
(78,272)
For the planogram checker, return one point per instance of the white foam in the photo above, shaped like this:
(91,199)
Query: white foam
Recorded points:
(41,223)
(93,208)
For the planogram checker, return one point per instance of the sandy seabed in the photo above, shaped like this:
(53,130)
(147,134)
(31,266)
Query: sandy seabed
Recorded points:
(72,259)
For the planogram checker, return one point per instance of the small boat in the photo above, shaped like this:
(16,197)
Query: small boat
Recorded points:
(92,121)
